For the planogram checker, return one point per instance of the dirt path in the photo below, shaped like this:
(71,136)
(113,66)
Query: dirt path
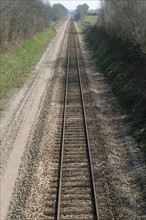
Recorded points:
(20,117)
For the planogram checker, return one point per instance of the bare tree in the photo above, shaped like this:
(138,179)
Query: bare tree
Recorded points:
(21,20)
(125,19)
(81,11)
(58,11)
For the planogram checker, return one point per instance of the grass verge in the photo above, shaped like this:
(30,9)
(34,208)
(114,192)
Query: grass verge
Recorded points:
(92,19)
(16,65)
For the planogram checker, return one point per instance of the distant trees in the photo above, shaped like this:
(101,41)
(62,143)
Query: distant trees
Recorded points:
(20,20)
(81,11)
(58,11)
(125,20)
(92,12)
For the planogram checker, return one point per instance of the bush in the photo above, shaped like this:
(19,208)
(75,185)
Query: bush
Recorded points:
(126,21)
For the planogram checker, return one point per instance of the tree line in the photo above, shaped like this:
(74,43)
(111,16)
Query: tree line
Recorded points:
(21,20)
(125,20)
(81,11)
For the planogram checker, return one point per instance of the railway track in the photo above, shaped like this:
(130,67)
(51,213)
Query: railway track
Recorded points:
(56,180)
(74,186)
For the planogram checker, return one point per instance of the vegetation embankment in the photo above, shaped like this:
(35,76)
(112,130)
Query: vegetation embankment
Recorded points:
(21,20)
(27,27)
(120,52)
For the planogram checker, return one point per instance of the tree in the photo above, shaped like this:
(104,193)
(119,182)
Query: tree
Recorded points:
(21,20)
(81,11)
(125,20)
(58,11)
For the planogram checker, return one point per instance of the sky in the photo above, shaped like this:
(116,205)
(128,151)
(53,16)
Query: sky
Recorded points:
(72,4)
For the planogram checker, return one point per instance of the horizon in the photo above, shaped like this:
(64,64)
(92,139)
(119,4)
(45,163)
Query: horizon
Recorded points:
(72,4)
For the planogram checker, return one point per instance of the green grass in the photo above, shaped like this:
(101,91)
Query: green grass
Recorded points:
(16,65)
(91,19)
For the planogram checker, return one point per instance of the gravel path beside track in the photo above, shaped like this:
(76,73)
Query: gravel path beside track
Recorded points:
(19,119)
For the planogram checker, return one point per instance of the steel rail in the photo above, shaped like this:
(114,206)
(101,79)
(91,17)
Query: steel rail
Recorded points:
(86,133)
(63,137)
(58,207)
